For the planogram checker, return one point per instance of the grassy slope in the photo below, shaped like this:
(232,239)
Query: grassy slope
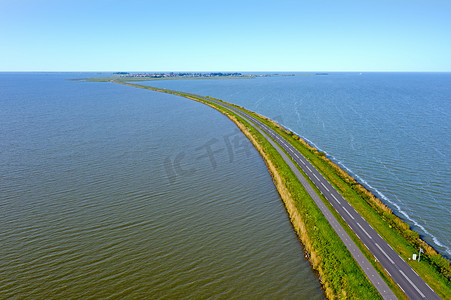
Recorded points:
(339,275)
(433,268)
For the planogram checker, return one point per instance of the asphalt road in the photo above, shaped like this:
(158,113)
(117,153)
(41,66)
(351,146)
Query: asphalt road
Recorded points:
(406,278)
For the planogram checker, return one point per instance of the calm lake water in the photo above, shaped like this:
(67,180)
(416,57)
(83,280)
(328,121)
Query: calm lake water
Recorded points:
(108,191)
(391,131)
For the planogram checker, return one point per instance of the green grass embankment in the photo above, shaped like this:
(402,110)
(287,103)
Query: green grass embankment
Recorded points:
(433,268)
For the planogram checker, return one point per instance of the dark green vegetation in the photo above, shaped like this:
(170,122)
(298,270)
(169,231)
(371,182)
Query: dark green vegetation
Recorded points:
(433,268)
(339,273)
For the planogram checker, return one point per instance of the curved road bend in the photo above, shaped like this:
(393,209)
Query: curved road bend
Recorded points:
(406,278)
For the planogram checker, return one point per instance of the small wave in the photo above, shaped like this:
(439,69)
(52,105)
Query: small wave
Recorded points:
(398,208)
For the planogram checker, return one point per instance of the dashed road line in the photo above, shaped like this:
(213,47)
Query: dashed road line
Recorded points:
(348,212)
(408,279)
(383,252)
(401,288)
(336,198)
(364,230)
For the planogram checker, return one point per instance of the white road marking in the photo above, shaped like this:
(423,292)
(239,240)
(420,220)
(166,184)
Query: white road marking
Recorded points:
(408,279)
(401,288)
(348,212)
(429,287)
(364,230)
(385,253)
(336,199)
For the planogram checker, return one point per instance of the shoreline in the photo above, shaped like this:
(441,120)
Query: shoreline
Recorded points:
(297,221)
(399,213)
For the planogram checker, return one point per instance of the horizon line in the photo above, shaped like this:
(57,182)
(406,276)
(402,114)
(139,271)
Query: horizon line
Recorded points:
(167,71)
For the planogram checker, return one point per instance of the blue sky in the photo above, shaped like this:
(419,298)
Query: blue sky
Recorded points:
(278,35)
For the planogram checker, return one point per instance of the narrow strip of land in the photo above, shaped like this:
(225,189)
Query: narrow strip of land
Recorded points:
(413,285)
(404,276)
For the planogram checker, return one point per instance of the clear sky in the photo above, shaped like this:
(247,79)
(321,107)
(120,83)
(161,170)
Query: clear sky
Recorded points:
(216,35)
